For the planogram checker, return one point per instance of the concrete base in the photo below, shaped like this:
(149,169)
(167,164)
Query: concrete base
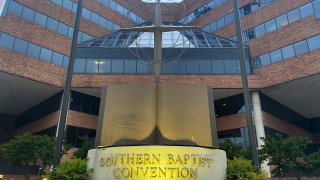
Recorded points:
(157,162)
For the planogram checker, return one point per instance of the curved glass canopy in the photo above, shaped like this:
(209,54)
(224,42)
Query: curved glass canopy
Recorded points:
(194,38)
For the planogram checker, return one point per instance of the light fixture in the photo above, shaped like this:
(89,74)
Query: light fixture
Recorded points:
(99,62)
(224,104)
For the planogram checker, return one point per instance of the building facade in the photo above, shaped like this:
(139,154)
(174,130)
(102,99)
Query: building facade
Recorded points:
(282,37)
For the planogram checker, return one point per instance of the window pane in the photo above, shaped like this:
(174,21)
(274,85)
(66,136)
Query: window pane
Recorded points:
(15,8)
(213,26)
(94,18)
(301,47)
(228,19)
(28,13)
(45,54)
(40,19)
(276,56)
(6,41)
(265,59)
(288,52)
(180,67)
(142,68)
(33,50)
(67,4)
(271,25)
(92,65)
(65,61)
(130,67)
(85,13)
(217,67)
(59,2)
(260,30)
(314,43)
(230,66)
(282,20)
(20,46)
(117,66)
(63,29)
(205,66)
(220,23)
(104,66)
(167,68)
(306,10)
(52,24)
(316,6)
(294,15)
(79,65)
(192,67)
(57,58)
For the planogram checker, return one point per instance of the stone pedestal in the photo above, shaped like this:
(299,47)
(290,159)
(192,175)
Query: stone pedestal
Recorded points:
(157,162)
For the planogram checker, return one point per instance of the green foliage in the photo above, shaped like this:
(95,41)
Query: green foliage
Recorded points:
(243,169)
(234,151)
(70,170)
(239,168)
(311,163)
(27,149)
(283,152)
(86,145)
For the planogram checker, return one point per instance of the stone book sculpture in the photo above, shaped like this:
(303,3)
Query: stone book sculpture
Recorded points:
(150,114)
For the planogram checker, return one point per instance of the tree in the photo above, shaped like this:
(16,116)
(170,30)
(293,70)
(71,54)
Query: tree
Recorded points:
(234,151)
(86,145)
(283,153)
(311,163)
(70,170)
(28,149)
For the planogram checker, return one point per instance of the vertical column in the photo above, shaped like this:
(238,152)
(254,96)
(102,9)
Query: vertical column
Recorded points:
(258,122)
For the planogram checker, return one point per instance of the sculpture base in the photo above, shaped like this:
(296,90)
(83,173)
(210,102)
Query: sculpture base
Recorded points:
(157,162)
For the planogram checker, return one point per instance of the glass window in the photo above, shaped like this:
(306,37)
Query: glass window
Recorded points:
(28,13)
(65,61)
(205,66)
(104,66)
(63,29)
(70,32)
(314,42)
(6,41)
(265,59)
(33,50)
(180,67)
(110,25)
(45,54)
(167,68)
(192,67)
(40,19)
(106,2)
(217,66)
(306,10)
(85,13)
(228,19)
(294,15)
(271,25)
(142,68)
(213,26)
(220,23)
(276,56)
(282,20)
(117,66)
(15,8)
(59,2)
(79,65)
(74,7)
(301,47)
(288,52)
(52,24)
(230,66)
(130,67)
(113,5)
(20,46)
(92,65)
(103,22)
(316,7)
(67,4)
(94,18)
(260,30)
(57,58)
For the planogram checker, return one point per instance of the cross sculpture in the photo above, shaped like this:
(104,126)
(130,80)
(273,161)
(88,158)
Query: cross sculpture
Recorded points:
(158,28)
